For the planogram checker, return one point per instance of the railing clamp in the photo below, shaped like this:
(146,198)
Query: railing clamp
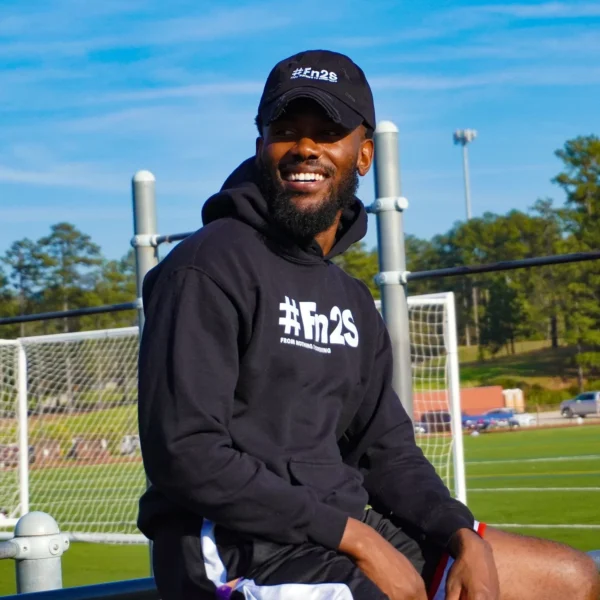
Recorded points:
(145,240)
(387,203)
(392,278)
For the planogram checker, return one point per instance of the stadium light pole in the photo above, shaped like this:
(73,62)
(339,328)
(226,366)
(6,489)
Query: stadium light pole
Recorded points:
(464,137)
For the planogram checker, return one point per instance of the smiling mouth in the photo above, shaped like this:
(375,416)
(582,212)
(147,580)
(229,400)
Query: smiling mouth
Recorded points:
(304,180)
(303,177)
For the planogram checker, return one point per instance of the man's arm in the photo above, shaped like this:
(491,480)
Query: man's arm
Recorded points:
(188,372)
(398,477)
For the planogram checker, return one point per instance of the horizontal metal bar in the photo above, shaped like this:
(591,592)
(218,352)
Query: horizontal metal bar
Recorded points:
(8,550)
(173,237)
(76,312)
(507,265)
(107,538)
(99,334)
(133,589)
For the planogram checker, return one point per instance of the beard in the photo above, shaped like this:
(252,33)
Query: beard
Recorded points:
(305,224)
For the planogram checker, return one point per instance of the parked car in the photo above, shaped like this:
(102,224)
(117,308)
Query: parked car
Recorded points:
(473,422)
(587,403)
(435,421)
(503,417)
(497,417)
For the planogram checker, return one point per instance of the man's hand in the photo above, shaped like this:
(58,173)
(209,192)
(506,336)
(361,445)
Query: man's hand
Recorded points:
(473,575)
(387,568)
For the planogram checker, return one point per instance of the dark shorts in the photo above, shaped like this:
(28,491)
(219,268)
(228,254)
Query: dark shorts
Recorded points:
(192,559)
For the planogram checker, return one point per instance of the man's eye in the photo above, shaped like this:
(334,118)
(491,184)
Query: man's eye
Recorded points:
(284,132)
(333,133)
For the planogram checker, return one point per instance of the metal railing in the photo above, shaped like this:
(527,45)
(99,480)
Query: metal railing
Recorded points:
(74,312)
(37,547)
(132,589)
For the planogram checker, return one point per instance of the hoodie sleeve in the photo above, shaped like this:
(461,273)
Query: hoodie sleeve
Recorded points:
(398,477)
(188,372)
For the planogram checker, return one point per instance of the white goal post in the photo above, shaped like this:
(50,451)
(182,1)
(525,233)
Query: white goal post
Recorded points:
(436,386)
(68,422)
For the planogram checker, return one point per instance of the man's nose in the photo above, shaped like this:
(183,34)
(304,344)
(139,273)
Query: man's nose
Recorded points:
(306,148)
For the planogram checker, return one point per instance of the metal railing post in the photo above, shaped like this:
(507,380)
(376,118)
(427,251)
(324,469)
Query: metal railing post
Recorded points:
(388,207)
(146,249)
(38,547)
(144,227)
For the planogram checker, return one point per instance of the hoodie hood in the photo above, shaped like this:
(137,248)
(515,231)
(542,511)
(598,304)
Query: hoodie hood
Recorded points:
(240,198)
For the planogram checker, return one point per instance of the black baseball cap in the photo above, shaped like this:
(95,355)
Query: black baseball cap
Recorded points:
(331,79)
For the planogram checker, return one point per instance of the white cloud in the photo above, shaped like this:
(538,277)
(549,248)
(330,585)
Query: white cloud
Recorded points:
(57,35)
(542,76)
(448,23)
(521,45)
(223,88)
(52,214)
(67,175)
(546,10)
(84,177)
(452,174)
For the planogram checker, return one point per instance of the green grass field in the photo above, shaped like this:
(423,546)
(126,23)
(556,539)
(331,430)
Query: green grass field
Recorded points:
(532,477)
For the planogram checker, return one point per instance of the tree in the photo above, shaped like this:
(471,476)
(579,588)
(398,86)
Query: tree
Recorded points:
(70,257)
(580,179)
(581,176)
(362,264)
(8,307)
(502,316)
(115,284)
(26,264)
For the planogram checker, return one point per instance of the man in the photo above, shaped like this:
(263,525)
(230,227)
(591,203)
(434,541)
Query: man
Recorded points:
(267,418)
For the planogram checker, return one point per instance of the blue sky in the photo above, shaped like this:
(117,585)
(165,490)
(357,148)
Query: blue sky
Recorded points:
(90,92)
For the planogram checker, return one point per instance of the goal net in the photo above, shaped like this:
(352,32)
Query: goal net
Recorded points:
(85,465)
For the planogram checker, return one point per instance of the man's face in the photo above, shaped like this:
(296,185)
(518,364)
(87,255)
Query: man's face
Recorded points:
(309,167)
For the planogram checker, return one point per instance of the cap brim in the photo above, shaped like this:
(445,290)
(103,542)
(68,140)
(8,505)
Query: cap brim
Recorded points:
(336,110)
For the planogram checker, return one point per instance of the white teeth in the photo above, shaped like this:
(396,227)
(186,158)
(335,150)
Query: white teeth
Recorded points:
(305,177)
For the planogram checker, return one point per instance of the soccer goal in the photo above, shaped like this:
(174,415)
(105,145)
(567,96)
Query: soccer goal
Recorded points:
(79,457)
(436,386)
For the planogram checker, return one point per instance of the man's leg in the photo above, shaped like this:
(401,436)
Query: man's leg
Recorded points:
(310,572)
(178,563)
(192,559)
(536,569)
(528,568)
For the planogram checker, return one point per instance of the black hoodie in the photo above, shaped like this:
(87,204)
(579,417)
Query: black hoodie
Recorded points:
(265,396)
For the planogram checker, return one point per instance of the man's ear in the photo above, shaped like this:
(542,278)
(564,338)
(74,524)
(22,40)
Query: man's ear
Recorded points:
(365,156)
